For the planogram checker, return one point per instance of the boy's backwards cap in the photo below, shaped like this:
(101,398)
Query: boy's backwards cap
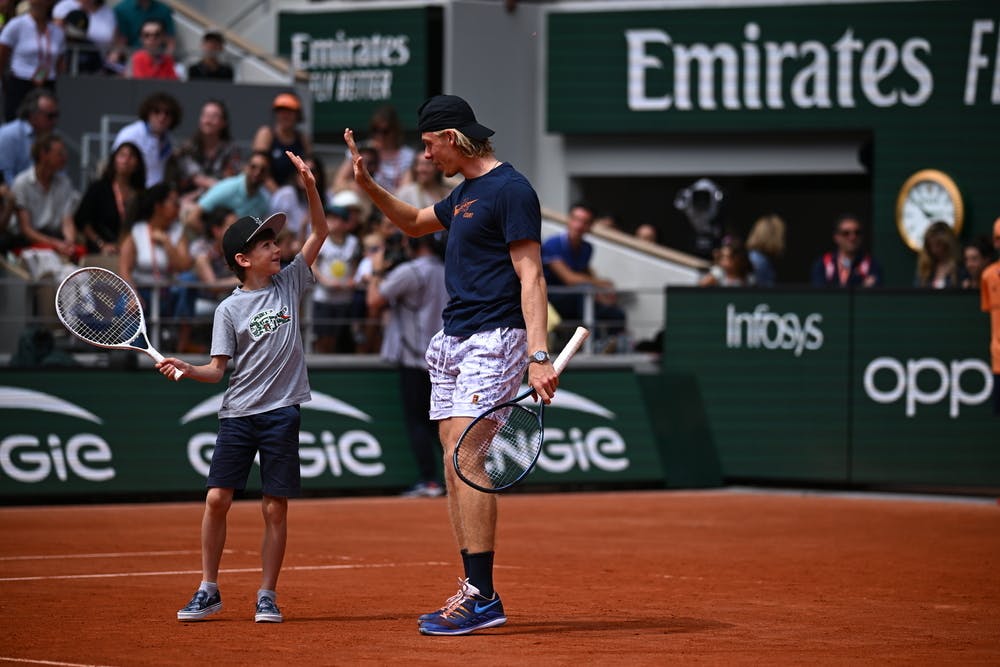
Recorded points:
(241,232)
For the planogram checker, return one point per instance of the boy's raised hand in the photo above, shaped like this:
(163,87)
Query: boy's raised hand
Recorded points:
(305,173)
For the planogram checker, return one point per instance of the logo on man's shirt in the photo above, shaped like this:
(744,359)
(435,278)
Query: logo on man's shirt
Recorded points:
(268,321)
(463,209)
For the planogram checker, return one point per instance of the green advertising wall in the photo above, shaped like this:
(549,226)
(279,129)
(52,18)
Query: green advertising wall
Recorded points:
(921,78)
(866,387)
(357,61)
(89,433)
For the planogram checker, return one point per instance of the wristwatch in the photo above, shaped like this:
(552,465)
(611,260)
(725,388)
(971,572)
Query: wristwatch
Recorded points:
(539,357)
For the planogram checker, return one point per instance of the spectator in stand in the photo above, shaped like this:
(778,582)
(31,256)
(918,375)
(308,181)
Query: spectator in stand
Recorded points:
(646,232)
(33,47)
(155,251)
(45,200)
(606,221)
(415,295)
(131,15)
(765,244)
(938,259)
(732,267)
(209,155)
(282,135)
(101,22)
(152,60)
(292,199)
(426,186)
(395,159)
(334,270)
(82,55)
(159,114)
(211,65)
(109,203)
(849,265)
(977,256)
(210,268)
(989,300)
(9,238)
(243,193)
(36,117)
(566,261)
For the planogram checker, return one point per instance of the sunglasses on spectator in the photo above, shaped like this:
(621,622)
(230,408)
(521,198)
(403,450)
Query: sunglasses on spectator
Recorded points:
(381,130)
(257,166)
(849,232)
(151,33)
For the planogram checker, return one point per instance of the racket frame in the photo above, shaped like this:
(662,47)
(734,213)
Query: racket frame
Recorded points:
(150,350)
(571,348)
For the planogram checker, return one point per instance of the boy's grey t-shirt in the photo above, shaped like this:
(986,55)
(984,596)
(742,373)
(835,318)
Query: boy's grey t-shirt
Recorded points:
(259,330)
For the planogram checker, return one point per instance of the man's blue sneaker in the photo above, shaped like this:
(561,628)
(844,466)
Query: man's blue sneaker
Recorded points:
(453,601)
(201,605)
(467,611)
(267,611)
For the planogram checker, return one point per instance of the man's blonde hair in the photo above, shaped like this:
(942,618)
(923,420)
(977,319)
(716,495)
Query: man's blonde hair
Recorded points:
(469,147)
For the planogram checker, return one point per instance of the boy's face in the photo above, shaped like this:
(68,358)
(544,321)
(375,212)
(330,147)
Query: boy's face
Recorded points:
(264,257)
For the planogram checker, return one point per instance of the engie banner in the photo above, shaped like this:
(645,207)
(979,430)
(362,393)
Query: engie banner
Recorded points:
(94,432)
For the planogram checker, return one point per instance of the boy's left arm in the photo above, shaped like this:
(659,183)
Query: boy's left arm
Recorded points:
(317,216)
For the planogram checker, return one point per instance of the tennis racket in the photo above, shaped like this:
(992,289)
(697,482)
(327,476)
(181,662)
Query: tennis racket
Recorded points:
(500,447)
(100,308)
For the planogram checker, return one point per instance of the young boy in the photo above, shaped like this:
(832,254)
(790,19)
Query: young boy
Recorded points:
(257,327)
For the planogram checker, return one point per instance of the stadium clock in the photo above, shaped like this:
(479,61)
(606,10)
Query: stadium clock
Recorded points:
(926,197)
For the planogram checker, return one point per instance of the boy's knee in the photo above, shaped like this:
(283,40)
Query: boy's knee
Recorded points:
(275,509)
(218,500)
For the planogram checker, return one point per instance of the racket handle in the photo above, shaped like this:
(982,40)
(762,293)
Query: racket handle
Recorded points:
(157,357)
(571,348)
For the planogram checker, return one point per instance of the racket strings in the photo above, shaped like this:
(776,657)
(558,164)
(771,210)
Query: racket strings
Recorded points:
(100,308)
(499,449)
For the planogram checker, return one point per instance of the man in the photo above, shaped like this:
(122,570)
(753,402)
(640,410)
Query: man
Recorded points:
(36,116)
(152,61)
(210,66)
(849,265)
(415,294)
(566,259)
(45,200)
(243,193)
(159,114)
(131,15)
(989,290)
(496,316)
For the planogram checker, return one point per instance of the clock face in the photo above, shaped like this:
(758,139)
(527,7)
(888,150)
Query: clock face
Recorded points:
(928,196)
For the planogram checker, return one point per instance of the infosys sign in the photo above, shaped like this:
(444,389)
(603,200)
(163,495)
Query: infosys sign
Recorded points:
(63,439)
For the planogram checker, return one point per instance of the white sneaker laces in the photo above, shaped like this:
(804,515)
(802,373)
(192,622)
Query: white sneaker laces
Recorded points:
(465,591)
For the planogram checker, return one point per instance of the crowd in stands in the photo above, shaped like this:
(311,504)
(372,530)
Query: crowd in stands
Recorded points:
(41,39)
(161,203)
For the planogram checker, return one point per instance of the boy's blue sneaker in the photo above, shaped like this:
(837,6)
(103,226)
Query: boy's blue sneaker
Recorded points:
(267,611)
(200,606)
(454,600)
(465,612)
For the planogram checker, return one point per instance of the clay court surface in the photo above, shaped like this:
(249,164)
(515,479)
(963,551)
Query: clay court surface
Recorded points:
(636,578)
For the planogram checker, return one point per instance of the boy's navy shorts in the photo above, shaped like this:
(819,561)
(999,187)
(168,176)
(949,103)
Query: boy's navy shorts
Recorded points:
(276,435)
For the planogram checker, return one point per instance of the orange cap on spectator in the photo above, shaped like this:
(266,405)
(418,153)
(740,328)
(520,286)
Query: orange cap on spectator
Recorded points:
(287,101)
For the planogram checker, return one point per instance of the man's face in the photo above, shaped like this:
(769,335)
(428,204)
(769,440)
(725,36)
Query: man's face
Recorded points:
(848,237)
(55,158)
(439,149)
(256,171)
(44,118)
(152,36)
(579,223)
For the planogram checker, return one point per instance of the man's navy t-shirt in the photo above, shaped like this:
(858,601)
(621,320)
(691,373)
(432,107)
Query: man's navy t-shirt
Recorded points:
(483,217)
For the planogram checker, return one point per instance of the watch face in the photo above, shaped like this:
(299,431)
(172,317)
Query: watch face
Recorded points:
(926,198)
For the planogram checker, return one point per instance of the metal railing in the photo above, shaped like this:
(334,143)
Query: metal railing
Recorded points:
(26,303)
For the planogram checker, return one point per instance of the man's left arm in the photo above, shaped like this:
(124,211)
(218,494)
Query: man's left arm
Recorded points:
(527,260)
